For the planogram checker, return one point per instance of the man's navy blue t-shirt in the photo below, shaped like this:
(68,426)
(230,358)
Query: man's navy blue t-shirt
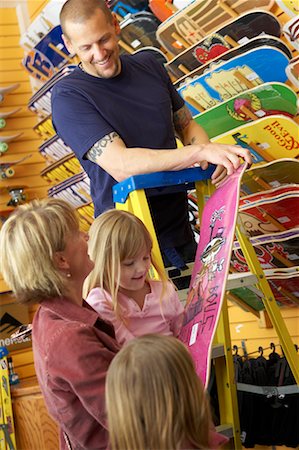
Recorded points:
(138,105)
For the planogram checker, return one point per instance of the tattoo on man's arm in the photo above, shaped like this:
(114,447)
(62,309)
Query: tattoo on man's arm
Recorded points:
(95,152)
(182,118)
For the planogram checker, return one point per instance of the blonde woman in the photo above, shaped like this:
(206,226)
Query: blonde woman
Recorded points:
(155,400)
(119,287)
(44,259)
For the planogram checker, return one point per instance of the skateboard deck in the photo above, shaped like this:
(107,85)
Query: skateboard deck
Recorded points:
(270,175)
(54,149)
(6,170)
(7,89)
(75,190)
(254,43)
(45,128)
(62,169)
(4,140)
(40,102)
(47,56)
(292,71)
(7,428)
(290,7)
(237,32)
(267,139)
(274,251)
(190,24)
(277,214)
(259,198)
(161,9)
(207,286)
(291,32)
(5,115)
(137,31)
(264,100)
(224,81)
(45,21)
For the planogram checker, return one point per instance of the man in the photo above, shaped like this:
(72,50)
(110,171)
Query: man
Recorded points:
(120,116)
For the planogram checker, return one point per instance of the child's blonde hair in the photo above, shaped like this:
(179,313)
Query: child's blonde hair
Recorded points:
(154,398)
(114,237)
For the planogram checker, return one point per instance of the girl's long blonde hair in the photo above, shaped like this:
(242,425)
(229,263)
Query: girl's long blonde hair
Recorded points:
(154,398)
(115,236)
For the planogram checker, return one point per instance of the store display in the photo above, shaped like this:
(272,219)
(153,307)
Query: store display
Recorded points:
(264,100)
(5,115)
(6,170)
(5,139)
(228,79)
(190,24)
(234,34)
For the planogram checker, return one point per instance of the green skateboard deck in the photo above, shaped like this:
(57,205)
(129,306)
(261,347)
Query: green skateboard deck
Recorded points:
(261,101)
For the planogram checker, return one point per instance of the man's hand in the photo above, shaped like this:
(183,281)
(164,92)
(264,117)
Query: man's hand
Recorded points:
(226,157)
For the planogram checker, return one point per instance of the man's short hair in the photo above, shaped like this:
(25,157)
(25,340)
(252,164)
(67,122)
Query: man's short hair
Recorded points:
(79,11)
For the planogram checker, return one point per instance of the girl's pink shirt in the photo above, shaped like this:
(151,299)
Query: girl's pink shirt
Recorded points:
(162,316)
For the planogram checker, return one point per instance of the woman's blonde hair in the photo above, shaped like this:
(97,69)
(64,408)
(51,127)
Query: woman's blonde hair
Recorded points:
(28,241)
(154,399)
(115,236)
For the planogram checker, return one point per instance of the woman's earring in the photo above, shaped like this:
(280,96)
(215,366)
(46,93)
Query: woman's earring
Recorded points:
(68,275)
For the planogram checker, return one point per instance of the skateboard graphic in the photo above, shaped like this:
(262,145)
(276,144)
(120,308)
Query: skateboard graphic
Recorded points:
(237,32)
(75,190)
(190,24)
(44,128)
(290,7)
(45,21)
(138,30)
(210,271)
(291,32)
(228,79)
(62,169)
(54,149)
(292,71)
(4,140)
(40,102)
(277,251)
(6,170)
(268,138)
(7,89)
(254,43)
(4,115)
(47,56)
(274,174)
(271,216)
(264,100)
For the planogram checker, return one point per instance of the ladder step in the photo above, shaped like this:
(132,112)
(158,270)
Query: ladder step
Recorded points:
(226,430)
(237,280)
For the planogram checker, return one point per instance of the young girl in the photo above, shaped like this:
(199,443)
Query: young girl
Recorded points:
(155,400)
(119,288)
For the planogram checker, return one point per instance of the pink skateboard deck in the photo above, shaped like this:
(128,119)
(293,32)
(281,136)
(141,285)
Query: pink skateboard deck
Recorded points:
(207,286)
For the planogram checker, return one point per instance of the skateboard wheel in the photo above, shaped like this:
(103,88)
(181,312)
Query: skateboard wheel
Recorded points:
(2,123)
(3,147)
(9,172)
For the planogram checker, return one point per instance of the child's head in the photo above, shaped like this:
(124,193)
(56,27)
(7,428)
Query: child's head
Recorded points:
(154,397)
(115,237)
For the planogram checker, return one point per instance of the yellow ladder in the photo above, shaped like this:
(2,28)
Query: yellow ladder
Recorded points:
(129,195)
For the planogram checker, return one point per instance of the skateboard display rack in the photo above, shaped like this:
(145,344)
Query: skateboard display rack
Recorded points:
(129,195)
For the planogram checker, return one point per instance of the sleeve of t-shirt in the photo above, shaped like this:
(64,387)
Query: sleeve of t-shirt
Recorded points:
(176,100)
(76,121)
(104,308)
(177,311)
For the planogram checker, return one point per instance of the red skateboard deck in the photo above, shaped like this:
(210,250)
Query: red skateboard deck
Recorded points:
(207,286)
